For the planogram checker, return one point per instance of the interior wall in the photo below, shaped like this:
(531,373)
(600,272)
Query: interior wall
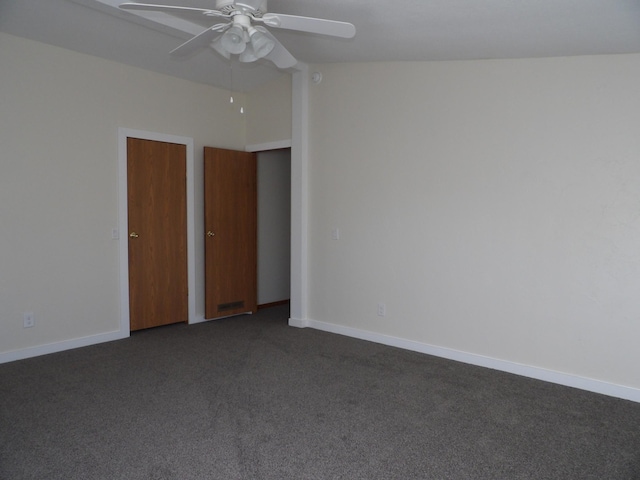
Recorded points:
(269,112)
(61,111)
(274,226)
(492,206)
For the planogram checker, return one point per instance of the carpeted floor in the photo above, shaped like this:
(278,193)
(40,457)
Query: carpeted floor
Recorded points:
(251,398)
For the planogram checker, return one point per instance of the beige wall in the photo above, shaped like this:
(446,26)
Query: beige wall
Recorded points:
(493,206)
(59,118)
(269,112)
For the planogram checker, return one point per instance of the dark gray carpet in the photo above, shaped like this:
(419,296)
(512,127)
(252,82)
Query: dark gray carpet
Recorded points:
(251,398)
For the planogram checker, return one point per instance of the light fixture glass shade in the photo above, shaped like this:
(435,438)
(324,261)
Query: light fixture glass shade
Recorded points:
(262,45)
(217,45)
(233,40)
(248,55)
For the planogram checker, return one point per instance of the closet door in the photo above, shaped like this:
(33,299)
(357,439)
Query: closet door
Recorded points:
(230,210)
(157,213)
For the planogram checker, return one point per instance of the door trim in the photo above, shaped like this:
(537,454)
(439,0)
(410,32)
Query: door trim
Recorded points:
(263,147)
(123,246)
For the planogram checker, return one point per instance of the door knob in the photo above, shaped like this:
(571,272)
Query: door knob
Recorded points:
(133,235)
(210,233)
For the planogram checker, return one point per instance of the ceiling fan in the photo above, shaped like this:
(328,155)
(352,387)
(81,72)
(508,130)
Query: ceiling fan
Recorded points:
(242,31)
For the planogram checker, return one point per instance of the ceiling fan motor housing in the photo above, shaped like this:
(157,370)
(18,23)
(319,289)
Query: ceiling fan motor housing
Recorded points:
(254,8)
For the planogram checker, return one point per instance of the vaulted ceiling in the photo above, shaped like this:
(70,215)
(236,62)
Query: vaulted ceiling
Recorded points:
(399,30)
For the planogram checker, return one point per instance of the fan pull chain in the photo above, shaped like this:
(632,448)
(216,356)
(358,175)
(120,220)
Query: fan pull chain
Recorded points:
(231,89)
(231,84)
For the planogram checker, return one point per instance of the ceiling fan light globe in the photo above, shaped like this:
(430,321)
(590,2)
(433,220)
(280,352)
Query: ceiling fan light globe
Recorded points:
(261,44)
(217,46)
(248,55)
(233,40)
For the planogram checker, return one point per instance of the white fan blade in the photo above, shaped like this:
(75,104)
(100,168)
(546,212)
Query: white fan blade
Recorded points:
(254,4)
(172,10)
(309,24)
(201,40)
(280,56)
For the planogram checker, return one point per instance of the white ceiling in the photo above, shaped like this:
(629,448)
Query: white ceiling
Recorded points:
(397,30)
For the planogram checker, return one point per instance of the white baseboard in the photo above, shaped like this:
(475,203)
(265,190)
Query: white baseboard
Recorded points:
(299,323)
(61,346)
(591,385)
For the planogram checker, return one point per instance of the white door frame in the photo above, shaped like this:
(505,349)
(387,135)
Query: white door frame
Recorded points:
(123,220)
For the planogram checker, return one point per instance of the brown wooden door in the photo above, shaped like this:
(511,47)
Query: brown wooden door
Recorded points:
(230,185)
(157,212)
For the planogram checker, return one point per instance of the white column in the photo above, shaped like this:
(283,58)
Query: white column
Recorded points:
(299,197)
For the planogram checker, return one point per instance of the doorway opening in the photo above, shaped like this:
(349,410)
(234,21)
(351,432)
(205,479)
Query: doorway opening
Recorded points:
(274,227)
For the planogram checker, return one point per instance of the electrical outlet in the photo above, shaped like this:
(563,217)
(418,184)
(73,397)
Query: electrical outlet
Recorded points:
(382,309)
(28,320)
(335,234)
